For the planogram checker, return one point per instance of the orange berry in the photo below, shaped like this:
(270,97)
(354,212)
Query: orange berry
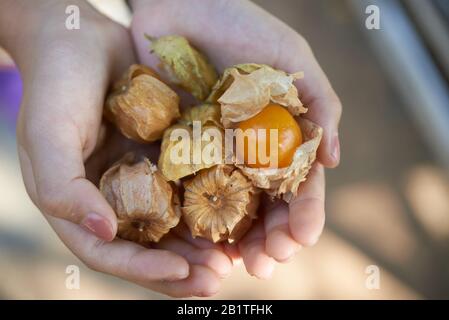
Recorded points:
(273,116)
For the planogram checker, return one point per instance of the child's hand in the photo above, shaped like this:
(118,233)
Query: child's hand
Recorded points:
(231,32)
(66,74)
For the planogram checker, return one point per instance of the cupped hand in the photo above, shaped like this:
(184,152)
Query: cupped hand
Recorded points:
(231,32)
(66,74)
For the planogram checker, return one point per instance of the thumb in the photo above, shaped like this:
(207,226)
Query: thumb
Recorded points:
(58,124)
(53,172)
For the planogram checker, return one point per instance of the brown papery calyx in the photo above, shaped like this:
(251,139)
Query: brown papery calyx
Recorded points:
(141,105)
(146,205)
(220,204)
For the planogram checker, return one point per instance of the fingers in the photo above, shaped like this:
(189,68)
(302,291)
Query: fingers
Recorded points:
(252,249)
(306,217)
(54,175)
(183,232)
(232,251)
(288,227)
(120,258)
(202,282)
(279,243)
(325,110)
(165,271)
(316,92)
(214,259)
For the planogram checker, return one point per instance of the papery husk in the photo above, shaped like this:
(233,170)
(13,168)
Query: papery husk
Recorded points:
(185,65)
(209,117)
(206,113)
(226,79)
(220,204)
(146,205)
(284,182)
(141,105)
(244,90)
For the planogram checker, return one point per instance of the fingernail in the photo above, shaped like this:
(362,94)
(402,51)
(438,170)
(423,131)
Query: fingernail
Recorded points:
(98,226)
(291,255)
(183,274)
(176,277)
(335,153)
(286,259)
(205,294)
(179,275)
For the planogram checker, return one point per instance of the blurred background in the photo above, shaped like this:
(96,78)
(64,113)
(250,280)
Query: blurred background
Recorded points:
(387,203)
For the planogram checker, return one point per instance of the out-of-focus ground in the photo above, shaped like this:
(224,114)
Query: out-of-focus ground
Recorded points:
(387,203)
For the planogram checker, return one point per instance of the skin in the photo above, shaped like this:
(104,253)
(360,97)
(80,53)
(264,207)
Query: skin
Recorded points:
(60,134)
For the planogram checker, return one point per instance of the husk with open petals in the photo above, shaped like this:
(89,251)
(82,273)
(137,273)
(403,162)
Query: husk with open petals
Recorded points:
(244,90)
(284,182)
(220,203)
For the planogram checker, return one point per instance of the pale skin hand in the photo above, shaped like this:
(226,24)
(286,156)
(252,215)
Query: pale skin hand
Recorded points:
(231,32)
(65,79)
(66,75)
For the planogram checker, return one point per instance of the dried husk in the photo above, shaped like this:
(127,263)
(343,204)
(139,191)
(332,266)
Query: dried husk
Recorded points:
(226,79)
(244,90)
(284,182)
(209,117)
(206,113)
(220,204)
(141,105)
(185,65)
(146,205)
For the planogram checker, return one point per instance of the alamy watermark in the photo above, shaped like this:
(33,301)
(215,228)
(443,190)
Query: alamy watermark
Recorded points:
(372,281)
(206,146)
(372,22)
(72,281)
(72,22)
